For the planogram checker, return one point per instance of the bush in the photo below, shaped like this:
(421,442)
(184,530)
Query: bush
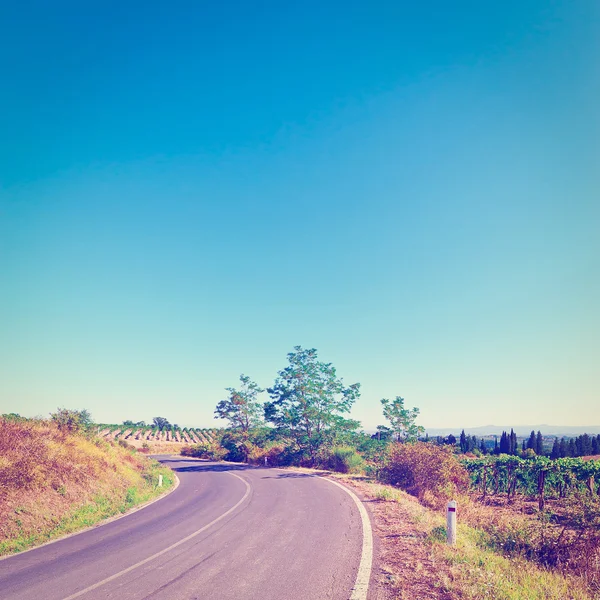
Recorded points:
(210,451)
(278,453)
(429,472)
(72,421)
(344,459)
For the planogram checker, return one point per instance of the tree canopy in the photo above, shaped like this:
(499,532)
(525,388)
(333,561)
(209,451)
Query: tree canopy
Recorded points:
(402,420)
(241,408)
(310,401)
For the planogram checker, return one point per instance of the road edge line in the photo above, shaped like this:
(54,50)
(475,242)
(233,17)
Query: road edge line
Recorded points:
(168,548)
(360,590)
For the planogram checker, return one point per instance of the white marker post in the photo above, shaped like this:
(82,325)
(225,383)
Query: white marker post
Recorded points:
(451,523)
(160,481)
(266,461)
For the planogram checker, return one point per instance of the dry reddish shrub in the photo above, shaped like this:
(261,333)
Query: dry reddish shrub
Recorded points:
(429,472)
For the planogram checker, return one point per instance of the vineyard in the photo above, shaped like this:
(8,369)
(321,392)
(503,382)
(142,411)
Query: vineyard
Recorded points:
(539,477)
(138,435)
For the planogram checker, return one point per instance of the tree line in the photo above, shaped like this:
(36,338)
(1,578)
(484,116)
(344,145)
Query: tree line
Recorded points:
(307,411)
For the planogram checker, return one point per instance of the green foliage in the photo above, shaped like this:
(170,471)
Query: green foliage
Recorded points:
(13,417)
(402,419)
(539,476)
(241,408)
(207,450)
(72,421)
(308,402)
(344,459)
(161,423)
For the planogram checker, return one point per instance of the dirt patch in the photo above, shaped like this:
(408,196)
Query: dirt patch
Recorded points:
(405,568)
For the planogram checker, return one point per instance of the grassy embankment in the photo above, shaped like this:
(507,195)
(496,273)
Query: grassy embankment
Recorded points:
(54,482)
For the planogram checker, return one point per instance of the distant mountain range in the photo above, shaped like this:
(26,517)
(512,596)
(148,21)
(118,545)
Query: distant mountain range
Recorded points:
(520,430)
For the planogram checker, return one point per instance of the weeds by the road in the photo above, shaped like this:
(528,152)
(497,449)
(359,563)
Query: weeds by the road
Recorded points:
(53,483)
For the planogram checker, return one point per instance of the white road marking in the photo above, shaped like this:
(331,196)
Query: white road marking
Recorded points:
(168,549)
(361,585)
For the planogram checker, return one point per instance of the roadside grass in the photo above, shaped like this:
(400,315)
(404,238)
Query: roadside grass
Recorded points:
(53,484)
(416,561)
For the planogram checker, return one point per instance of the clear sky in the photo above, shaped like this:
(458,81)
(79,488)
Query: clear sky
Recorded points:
(189,189)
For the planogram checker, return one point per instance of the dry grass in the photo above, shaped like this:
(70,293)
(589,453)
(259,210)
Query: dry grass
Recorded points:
(416,562)
(52,482)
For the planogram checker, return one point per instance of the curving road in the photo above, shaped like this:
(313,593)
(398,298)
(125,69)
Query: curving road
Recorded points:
(227,532)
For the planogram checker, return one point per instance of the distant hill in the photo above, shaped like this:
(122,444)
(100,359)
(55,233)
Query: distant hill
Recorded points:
(520,430)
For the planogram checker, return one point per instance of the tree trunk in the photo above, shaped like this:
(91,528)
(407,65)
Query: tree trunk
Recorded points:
(541,486)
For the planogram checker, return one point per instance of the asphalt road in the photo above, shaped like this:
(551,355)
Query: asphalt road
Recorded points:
(227,532)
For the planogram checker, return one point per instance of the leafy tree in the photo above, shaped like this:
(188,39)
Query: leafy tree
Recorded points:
(309,401)
(128,423)
(161,423)
(402,419)
(241,408)
(383,433)
(72,420)
(450,440)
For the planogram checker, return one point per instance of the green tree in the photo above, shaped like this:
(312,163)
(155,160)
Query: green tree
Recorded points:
(72,420)
(242,408)
(463,442)
(383,433)
(539,444)
(555,449)
(161,423)
(309,401)
(402,419)
(483,447)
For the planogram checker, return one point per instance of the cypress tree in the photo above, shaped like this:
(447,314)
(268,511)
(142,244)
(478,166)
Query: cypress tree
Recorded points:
(483,447)
(572,448)
(586,445)
(595,446)
(513,442)
(564,450)
(463,442)
(531,441)
(555,449)
(539,444)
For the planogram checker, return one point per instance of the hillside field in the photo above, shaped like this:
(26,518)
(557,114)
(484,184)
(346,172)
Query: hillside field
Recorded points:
(54,482)
(154,441)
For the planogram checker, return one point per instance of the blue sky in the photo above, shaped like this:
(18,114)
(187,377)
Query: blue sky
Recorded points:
(187,191)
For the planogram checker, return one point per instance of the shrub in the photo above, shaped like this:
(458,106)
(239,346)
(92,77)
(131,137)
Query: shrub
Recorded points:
(278,453)
(429,472)
(210,451)
(72,421)
(344,459)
